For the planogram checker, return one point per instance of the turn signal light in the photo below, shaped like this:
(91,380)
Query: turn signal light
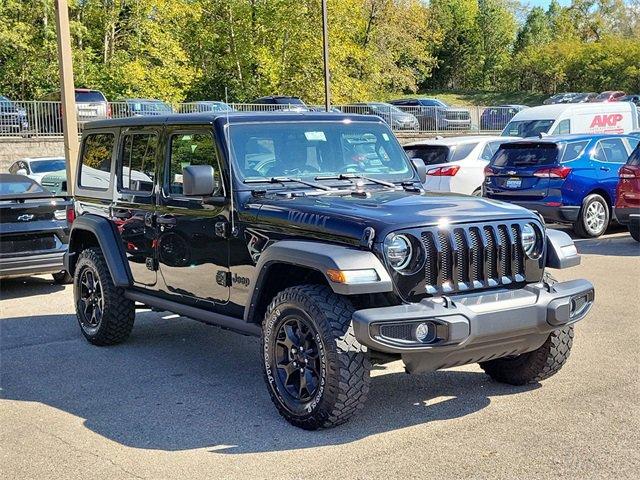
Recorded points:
(444,171)
(353,276)
(552,172)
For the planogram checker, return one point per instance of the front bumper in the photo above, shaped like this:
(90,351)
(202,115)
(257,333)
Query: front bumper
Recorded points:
(19,266)
(475,327)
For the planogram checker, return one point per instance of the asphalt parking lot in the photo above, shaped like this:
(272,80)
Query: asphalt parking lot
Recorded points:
(184,400)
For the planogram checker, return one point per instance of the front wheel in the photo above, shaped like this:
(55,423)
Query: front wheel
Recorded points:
(316,371)
(532,367)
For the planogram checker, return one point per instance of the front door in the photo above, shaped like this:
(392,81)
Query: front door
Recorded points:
(192,246)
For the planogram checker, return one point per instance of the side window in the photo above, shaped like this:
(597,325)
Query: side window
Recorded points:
(186,149)
(13,168)
(614,150)
(95,163)
(462,151)
(599,154)
(633,142)
(137,163)
(488,151)
(563,128)
(573,150)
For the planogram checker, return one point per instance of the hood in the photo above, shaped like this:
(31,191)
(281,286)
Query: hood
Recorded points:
(384,210)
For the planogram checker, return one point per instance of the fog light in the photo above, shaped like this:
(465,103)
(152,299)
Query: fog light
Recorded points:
(425,332)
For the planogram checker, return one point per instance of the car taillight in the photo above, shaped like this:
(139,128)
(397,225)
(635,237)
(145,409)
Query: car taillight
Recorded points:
(488,171)
(552,172)
(108,110)
(71,215)
(630,172)
(444,171)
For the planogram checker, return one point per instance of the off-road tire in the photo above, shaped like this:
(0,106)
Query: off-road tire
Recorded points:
(346,365)
(118,312)
(532,367)
(62,278)
(634,230)
(580,226)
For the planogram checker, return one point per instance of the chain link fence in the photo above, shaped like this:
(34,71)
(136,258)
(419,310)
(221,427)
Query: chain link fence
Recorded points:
(34,119)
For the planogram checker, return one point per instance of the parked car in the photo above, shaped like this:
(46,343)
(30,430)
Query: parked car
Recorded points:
(34,229)
(631,98)
(91,105)
(280,103)
(564,97)
(321,108)
(496,118)
(562,119)
(55,182)
(392,115)
(584,97)
(455,164)
(335,262)
(609,96)
(628,194)
(137,107)
(567,179)
(36,168)
(13,119)
(434,114)
(205,106)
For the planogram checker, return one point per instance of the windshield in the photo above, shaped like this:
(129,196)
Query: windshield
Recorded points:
(386,107)
(18,186)
(313,149)
(42,166)
(527,128)
(215,107)
(149,107)
(525,155)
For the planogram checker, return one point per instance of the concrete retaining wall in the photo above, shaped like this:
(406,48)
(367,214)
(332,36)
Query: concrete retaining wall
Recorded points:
(12,149)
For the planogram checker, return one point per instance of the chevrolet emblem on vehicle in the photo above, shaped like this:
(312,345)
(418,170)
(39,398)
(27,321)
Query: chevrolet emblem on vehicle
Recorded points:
(25,218)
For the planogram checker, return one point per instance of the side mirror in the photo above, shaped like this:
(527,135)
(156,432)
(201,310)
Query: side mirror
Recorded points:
(421,168)
(198,181)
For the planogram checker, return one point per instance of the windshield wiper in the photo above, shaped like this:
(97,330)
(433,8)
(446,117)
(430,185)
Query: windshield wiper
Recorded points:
(352,176)
(287,180)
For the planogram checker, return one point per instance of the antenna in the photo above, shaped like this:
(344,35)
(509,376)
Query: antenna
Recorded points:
(230,163)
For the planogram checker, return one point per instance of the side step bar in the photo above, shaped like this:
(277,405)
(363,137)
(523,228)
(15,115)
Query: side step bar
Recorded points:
(205,316)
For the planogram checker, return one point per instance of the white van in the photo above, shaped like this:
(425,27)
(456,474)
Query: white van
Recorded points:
(562,119)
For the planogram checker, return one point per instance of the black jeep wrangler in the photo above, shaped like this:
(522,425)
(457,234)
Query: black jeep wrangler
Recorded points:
(313,231)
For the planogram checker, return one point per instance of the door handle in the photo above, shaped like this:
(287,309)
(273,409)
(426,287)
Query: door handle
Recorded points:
(605,169)
(166,220)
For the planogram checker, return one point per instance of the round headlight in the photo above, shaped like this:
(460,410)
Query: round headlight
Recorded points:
(530,240)
(397,250)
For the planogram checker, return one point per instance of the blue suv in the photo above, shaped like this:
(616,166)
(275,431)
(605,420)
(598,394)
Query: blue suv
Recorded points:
(567,179)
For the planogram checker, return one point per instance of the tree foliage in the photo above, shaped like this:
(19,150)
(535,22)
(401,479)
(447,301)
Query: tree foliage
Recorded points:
(199,49)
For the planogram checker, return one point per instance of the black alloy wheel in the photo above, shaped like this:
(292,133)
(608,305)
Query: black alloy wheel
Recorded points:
(299,372)
(91,301)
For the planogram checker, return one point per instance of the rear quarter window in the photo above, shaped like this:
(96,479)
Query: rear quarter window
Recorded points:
(573,150)
(91,96)
(634,159)
(95,163)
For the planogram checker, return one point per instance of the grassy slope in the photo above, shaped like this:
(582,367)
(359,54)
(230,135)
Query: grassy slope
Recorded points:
(484,98)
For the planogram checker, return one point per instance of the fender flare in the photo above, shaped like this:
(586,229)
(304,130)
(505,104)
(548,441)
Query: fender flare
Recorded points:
(111,247)
(561,251)
(320,257)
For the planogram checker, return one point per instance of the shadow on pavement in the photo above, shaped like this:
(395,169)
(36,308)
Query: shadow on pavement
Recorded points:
(23,287)
(178,385)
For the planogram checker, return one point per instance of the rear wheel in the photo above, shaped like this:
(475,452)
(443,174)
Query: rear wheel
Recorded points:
(316,371)
(105,316)
(634,230)
(532,367)
(593,218)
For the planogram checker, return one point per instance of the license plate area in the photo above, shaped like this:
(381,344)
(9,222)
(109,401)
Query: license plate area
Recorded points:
(513,183)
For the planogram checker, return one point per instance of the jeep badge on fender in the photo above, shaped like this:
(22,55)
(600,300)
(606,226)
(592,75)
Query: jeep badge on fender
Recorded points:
(312,231)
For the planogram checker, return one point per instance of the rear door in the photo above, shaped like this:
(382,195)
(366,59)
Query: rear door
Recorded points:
(609,156)
(514,170)
(134,203)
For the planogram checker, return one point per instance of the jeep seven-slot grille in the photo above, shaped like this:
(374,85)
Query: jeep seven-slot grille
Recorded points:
(471,257)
